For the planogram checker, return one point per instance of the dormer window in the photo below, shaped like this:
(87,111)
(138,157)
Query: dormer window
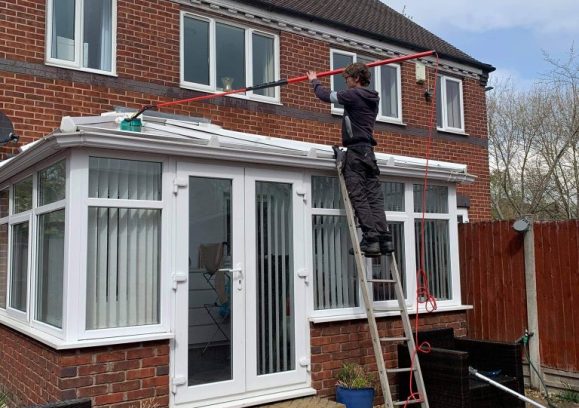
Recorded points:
(81,34)
(219,56)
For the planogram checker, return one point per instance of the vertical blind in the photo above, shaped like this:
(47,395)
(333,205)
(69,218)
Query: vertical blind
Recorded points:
(19,271)
(3,264)
(436,256)
(275,307)
(123,260)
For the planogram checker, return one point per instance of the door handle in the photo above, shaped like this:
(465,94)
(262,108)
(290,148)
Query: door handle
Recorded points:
(235,274)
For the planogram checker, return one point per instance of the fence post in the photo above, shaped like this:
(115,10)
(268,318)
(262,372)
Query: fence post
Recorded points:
(532,309)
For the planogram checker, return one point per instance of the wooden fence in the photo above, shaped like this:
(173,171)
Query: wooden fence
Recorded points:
(493,281)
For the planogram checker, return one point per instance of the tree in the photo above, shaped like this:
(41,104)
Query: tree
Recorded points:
(534,145)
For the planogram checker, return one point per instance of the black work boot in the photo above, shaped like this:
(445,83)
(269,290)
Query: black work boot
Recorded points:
(386,243)
(370,250)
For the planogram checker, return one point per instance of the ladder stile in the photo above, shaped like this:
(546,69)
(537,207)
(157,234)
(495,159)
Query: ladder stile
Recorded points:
(363,282)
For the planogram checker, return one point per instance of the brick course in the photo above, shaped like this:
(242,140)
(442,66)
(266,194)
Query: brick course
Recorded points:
(114,376)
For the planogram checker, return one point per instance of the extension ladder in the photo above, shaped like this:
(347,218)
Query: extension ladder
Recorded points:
(394,280)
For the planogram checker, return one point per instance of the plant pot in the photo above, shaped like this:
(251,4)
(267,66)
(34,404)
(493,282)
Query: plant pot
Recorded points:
(355,397)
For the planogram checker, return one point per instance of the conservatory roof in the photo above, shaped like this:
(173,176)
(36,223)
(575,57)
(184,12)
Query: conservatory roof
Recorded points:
(183,136)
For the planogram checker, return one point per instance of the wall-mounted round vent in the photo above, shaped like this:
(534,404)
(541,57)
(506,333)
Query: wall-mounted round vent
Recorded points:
(6,130)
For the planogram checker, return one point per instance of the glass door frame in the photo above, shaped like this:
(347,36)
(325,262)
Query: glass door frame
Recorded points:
(299,375)
(198,393)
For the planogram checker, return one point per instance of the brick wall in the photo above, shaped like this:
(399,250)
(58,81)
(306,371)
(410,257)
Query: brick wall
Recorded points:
(332,344)
(127,376)
(36,96)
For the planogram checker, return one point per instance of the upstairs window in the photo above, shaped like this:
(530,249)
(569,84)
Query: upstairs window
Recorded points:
(81,34)
(217,56)
(449,104)
(385,79)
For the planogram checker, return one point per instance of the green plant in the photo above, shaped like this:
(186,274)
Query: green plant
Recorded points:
(353,375)
(3,400)
(569,394)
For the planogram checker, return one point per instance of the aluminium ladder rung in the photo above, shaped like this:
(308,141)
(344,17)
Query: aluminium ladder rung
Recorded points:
(401,370)
(379,309)
(381,280)
(414,401)
(393,339)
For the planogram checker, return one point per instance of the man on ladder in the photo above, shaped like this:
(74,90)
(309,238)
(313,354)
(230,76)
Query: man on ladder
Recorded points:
(360,168)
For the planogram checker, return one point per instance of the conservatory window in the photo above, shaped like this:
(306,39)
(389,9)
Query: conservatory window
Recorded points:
(124,243)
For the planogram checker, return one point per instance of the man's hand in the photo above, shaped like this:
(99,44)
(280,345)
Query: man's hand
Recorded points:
(312,75)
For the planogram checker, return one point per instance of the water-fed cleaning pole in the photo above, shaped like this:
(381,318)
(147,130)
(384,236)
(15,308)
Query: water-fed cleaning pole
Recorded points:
(506,389)
(281,82)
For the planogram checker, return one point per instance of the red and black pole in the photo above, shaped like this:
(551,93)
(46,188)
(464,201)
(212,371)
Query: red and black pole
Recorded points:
(281,82)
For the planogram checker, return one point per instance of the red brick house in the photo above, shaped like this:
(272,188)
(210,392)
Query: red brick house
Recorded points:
(201,261)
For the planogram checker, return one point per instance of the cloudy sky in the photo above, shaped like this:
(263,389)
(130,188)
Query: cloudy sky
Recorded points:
(511,35)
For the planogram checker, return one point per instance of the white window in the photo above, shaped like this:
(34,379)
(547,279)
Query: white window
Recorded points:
(220,56)
(385,79)
(33,229)
(81,34)
(449,104)
(335,282)
(124,243)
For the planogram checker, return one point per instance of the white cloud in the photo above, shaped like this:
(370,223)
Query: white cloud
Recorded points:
(509,75)
(548,17)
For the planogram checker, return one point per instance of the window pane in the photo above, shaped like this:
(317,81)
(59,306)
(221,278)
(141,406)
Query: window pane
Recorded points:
(52,183)
(436,257)
(326,192)
(275,272)
(339,83)
(453,104)
(263,63)
(50,268)
(393,196)
(19,271)
(97,36)
(381,267)
(124,179)
(439,107)
(63,27)
(389,91)
(335,281)
(436,199)
(123,265)
(23,195)
(3,264)
(196,51)
(230,53)
(4,200)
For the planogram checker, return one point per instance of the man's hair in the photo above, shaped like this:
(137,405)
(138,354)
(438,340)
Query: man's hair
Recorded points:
(359,71)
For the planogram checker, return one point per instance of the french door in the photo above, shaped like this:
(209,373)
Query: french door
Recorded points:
(240,298)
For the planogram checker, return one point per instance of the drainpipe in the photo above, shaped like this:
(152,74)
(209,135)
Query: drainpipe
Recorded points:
(525,226)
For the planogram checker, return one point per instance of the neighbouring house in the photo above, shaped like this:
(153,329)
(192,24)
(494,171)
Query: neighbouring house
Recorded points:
(202,259)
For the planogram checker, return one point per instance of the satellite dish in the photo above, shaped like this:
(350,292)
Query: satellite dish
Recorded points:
(6,130)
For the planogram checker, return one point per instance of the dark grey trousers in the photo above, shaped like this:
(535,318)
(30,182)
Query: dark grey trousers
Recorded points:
(361,176)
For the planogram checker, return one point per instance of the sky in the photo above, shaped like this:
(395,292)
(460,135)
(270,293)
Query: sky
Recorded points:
(511,35)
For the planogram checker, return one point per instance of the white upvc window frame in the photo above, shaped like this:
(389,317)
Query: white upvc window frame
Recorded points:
(79,245)
(78,44)
(213,85)
(408,218)
(31,216)
(443,79)
(377,78)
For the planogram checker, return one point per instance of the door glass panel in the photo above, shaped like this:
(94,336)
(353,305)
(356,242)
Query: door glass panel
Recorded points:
(275,291)
(210,314)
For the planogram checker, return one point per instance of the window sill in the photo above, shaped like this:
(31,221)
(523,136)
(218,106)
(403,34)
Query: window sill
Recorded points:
(452,131)
(391,121)
(236,96)
(411,311)
(87,70)
(60,344)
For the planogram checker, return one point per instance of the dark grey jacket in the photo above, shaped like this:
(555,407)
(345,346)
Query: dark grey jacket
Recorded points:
(360,111)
